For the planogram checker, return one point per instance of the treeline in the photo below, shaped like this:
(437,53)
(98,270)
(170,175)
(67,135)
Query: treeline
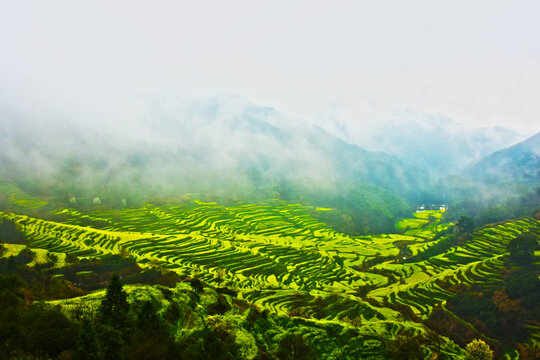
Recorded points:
(512,204)
(199,323)
(34,330)
(30,330)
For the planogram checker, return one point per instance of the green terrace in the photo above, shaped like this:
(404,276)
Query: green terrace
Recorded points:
(272,250)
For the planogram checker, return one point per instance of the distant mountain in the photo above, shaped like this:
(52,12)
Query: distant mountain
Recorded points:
(503,185)
(437,145)
(518,164)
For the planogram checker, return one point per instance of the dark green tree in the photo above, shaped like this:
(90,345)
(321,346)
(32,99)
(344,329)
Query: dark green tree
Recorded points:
(465,225)
(112,341)
(147,318)
(11,266)
(406,346)
(11,330)
(150,338)
(88,346)
(114,307)
(113,328)
(522,248)
(10,292)
(47,331)
(10,234)
(295,347)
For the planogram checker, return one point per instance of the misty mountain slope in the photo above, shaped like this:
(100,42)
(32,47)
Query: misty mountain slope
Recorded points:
(205,146)
(519,164)
(437,145)
(503,185)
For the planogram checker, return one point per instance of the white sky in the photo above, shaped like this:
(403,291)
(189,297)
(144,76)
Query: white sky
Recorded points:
(476,62)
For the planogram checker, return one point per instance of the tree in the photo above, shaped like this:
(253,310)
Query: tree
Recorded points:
(479,350)
(47,331)
(406,346)
(148,320)
(114,306)
(111,340)
(88,347)
(11,293)
(113,328)
(465,225)
(294,347)
(11,330)
(151,337)
(10,234)
(522,248)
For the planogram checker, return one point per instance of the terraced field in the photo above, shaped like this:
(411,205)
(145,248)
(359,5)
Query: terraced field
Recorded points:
(19,198)
(478,261)
(279,257)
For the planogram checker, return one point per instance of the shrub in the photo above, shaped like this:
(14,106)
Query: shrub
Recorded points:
(522,248)
(479,350)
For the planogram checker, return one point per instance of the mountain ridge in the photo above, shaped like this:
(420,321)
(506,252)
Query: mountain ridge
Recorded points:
(519,164)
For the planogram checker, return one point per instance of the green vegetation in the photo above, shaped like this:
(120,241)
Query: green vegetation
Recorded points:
(272,280)
(465,225)
(522,248)
(12,195)
(479,350)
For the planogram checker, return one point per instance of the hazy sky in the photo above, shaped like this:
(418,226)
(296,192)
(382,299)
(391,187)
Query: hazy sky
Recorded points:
(101,61)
